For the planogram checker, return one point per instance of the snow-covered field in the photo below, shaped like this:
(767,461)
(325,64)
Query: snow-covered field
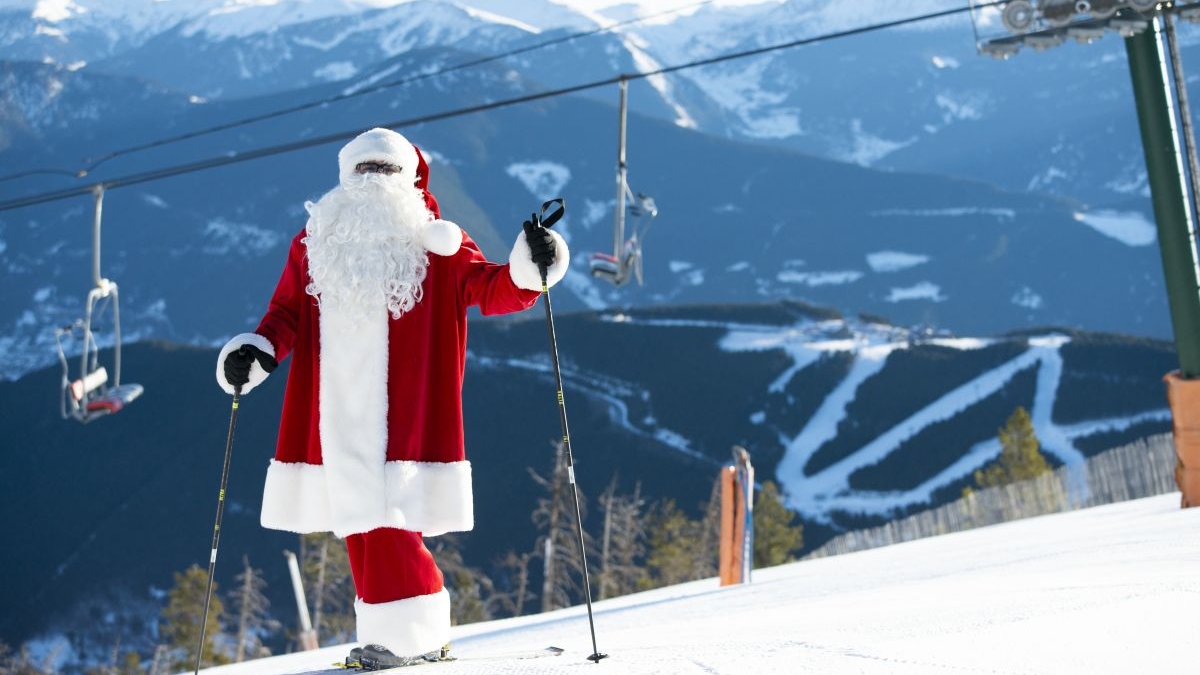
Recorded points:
(1112,589)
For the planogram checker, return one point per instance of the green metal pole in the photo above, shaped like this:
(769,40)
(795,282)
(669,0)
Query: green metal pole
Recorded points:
(1176,240)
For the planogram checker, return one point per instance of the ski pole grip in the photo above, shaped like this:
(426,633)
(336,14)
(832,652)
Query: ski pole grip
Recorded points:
(549,217)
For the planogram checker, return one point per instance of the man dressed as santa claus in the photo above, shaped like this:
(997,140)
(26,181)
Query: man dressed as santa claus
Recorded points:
(372,306)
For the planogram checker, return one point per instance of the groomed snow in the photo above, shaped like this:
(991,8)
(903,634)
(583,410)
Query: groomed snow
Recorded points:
(1131,229)
(1108,590)
(894,261)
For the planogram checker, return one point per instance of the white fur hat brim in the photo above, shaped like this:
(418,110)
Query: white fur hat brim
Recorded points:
(379,145)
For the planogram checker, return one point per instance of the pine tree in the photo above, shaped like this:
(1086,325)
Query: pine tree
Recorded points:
(1020,458)
(131,664)
(562,565)
(623,543)
(182,616)
(674,545)
(251,607)
(708,532)
(328,586)
(17,663)
(511,589)
(776,539)
(468,587)
(158,664)
(109,668)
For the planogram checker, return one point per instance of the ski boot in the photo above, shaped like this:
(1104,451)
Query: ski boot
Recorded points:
(378,657)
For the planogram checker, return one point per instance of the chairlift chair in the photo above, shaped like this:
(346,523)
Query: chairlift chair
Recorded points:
(90,395)
(625,261)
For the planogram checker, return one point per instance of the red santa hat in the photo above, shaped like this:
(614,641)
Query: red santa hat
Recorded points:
(389,147)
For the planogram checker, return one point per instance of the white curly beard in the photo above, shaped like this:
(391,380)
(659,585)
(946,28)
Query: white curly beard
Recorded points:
(364,251)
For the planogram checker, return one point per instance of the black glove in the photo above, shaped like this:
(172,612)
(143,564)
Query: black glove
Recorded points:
(238,363)
(541,245)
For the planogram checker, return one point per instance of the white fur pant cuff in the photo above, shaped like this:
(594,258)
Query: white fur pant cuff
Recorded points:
(406,627)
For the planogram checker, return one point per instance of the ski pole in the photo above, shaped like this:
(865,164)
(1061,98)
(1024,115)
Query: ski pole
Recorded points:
(543,220)
(212,560)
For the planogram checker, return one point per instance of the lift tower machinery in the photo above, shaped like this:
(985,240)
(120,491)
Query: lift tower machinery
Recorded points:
(1172,167)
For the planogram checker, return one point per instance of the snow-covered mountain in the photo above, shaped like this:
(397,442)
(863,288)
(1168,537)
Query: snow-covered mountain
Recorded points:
(913,98)
(197,255)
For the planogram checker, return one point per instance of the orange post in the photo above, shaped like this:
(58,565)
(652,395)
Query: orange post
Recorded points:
(737,526)
(731,524)
(1184,399)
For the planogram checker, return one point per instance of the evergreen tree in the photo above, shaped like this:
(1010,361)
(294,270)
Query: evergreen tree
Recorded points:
(562,565)
(1020,458)
(674,545)
(110,668)
(130,664)
(623,543)
(251,607)
(17,663)
(776,539)
(328,587)
(708,531)
(158,665)
(467,586)
(182,616)
(511,585)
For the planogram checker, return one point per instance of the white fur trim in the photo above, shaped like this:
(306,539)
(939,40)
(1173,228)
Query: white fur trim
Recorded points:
(426,497)
(296,498)
(429,497)
(257,374)
(380,145)
(353,416)
(525,274)
(407,627)
(441,237)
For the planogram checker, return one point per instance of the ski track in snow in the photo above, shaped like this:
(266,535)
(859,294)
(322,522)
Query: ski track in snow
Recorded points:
(612,391)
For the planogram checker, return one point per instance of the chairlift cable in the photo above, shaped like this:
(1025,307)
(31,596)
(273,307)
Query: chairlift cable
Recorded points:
(267,151)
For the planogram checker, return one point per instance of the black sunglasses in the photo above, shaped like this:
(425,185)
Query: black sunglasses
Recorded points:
(376,167)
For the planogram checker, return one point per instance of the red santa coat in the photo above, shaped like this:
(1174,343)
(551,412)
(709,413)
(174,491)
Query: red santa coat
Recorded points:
(371,433)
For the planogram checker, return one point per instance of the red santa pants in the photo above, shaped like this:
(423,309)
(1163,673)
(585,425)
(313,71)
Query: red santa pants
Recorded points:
(390,564)
(402,603)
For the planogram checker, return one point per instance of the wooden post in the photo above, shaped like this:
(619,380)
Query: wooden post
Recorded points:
(737,524)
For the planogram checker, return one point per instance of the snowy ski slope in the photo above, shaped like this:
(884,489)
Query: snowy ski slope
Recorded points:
(1105,590)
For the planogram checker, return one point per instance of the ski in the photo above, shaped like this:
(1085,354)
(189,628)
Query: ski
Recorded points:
(509,656)
(469,658)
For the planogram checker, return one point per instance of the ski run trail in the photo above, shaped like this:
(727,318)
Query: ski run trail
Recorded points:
(1108,590)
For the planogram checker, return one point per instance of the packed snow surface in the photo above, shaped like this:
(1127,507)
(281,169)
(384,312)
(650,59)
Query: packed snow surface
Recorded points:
(1131,229)
(1108,590)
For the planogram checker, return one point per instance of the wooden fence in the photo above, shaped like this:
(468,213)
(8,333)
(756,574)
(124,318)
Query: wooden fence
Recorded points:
(1141,469)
